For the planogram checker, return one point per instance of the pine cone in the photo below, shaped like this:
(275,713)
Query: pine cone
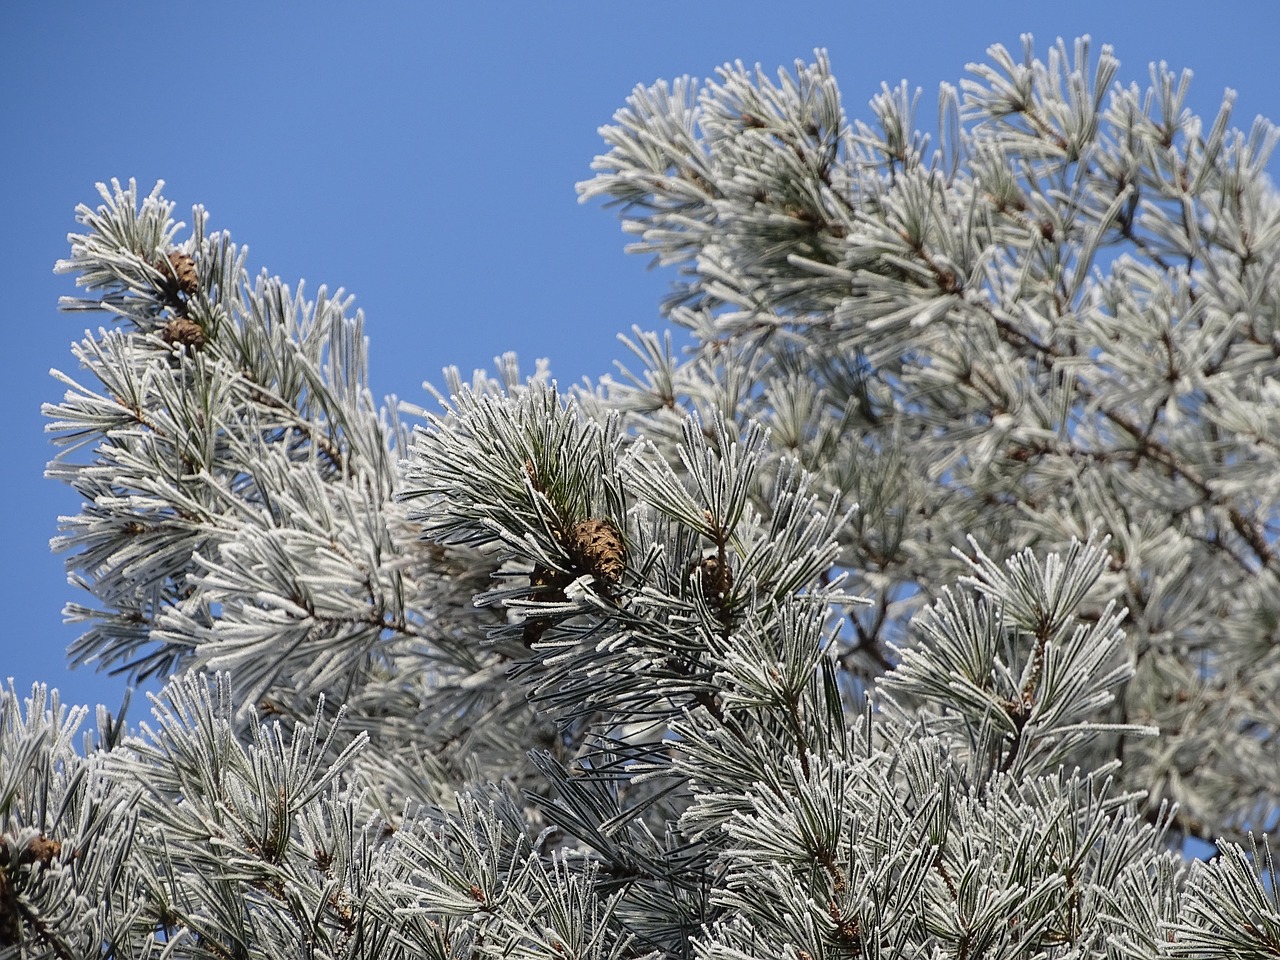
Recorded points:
(185,331)
(715,578)
(596,547)
(181,270)
(41,849)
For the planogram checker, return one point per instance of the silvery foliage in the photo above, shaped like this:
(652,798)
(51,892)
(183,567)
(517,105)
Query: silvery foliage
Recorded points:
(776,704)
(1063,321)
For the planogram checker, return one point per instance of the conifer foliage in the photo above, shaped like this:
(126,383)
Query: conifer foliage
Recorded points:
(926,606)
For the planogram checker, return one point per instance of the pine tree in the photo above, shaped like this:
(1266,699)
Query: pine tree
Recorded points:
(926,606)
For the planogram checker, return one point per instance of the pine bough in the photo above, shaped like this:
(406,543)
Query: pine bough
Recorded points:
(699,661)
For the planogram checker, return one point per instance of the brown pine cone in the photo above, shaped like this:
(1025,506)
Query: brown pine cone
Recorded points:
(180,270)
(596,547)
(185,331)
(715,578)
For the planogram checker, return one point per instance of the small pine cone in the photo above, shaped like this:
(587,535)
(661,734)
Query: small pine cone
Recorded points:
(597,548)
(41,850)
(715,578)
(181,269)
(184,331)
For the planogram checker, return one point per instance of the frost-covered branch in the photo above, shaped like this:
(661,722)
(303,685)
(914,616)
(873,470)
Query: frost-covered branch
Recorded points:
(925,608)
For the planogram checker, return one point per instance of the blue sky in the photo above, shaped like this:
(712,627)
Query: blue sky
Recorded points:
(423,156)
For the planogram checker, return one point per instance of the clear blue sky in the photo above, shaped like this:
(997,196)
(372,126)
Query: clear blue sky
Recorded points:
(423,156)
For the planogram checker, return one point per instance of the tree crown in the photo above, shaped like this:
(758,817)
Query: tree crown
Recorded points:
(924,607)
